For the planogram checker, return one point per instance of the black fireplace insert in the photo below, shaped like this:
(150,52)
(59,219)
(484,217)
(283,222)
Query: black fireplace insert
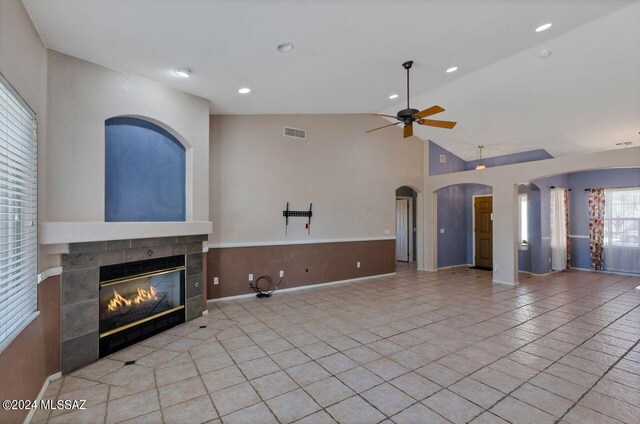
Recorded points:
(140,299)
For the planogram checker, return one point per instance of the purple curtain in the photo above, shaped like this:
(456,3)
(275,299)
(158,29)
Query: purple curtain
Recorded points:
(596,228)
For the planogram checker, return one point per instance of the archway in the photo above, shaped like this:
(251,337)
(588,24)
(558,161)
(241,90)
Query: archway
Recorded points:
(411,199)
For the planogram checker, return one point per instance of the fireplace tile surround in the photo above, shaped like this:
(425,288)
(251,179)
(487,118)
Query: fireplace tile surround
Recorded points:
(80,287)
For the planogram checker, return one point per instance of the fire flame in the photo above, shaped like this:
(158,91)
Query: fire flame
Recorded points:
(118,301)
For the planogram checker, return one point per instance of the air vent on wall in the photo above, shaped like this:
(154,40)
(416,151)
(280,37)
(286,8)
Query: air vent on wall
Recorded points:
(295,133)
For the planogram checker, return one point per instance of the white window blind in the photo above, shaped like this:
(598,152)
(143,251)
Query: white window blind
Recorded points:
(621,230)
(18,212)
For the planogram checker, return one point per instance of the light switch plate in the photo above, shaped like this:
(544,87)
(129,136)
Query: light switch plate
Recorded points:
(441,230)
(215,281)
(250,277)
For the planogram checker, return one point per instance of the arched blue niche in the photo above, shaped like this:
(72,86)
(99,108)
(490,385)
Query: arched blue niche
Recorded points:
(144,172)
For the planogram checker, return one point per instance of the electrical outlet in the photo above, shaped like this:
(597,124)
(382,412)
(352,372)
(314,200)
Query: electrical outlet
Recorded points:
(387,232)
(441,230)
(215,281)
(281,274)
(357,264)
(250,277)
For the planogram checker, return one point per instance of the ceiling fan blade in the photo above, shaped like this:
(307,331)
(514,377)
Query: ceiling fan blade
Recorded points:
(408,131)
(387,116)
(428,112)
(439,124)
(384,126)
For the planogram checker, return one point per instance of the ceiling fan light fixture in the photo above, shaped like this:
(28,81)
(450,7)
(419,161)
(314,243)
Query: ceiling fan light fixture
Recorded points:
(184,72)
(285,47)
(244,90)
(452,69)
(543,27)
(481,164)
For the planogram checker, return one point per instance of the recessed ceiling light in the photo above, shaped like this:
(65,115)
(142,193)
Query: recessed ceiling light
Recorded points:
(543,27)
(452,69)
(183,72)
(284,47)
(244,90)
(393,96)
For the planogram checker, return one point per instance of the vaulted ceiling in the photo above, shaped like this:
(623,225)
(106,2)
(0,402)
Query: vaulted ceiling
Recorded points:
(585,96)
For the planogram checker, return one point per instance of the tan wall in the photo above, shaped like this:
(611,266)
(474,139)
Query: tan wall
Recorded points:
(349,176)
(34,354)
(81,96)
(303,264)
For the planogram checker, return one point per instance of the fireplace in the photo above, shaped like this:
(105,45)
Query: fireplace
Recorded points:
(140,299)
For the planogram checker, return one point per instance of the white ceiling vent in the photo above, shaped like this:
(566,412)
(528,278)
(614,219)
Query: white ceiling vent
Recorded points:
(295,133)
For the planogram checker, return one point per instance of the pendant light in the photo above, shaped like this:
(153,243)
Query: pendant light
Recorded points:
(480,165)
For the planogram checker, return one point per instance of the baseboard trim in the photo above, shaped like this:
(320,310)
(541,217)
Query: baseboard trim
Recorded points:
(628,274)
(454,266)
(504,283)
(43,390)
(309,286)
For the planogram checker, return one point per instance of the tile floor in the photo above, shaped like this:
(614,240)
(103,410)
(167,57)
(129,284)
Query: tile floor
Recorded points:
(414,348)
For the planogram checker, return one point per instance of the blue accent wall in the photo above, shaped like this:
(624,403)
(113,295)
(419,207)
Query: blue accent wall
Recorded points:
(529,156)
(145,172)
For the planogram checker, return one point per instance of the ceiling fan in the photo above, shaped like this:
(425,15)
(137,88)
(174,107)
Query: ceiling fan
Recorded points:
(408,116)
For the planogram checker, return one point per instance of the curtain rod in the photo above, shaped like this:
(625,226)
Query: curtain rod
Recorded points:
(568,189)
(611,188)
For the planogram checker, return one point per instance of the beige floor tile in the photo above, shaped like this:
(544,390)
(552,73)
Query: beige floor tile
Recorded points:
(500,381)
(453,407)
(290,358)
(439,374)
(418,413)
(476,392)
(415,385)
(388,399)
(292,406)
(386,368)
(221,379)
(256,414)
(234,398)
(272,385)
(132,406)
(542,399)
(328,391)
(581,415)
(355,411)
(181,391)
(307,373)
(194,411)
(517,411)
(359,379)
(337,363)
(175,373)
(258,367)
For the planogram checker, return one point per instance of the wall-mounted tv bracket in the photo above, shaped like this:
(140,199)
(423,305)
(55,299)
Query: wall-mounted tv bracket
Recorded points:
(306,214)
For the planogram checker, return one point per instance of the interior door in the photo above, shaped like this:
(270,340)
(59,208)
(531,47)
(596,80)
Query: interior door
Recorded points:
(402,230)
(483,215)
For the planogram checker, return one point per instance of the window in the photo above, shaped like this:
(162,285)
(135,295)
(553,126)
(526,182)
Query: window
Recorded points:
(523,220)
(18,213)
(622,217)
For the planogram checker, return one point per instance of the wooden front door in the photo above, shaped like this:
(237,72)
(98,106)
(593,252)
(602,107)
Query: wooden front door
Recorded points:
(483,211)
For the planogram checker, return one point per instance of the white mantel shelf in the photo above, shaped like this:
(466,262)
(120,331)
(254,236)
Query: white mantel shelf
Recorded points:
(78,232)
